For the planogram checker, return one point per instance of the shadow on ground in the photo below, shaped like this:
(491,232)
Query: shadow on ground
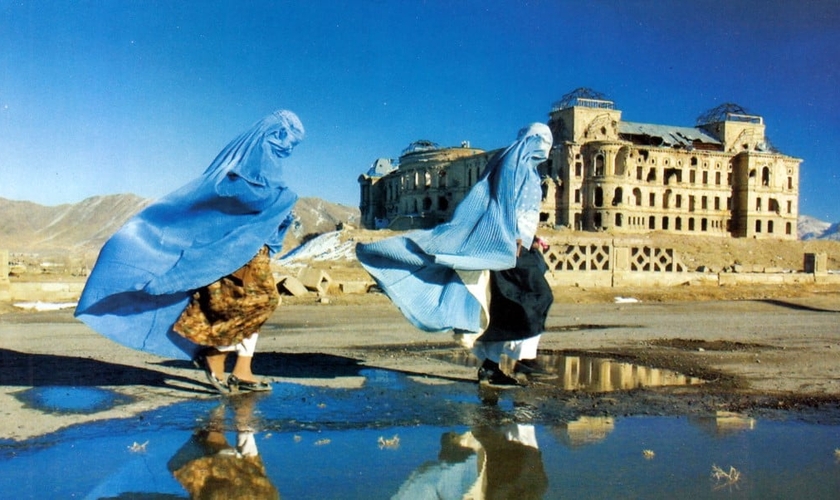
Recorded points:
(294,365)
(36,370)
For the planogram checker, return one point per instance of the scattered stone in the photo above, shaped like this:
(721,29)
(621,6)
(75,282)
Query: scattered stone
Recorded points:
(316,280)
(292,286)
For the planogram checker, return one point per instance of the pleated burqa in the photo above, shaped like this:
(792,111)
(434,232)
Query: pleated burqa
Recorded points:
(146,272)
(419,271)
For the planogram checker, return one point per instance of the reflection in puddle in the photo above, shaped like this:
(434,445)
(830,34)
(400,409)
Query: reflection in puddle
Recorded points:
(483,462)
(723,423)
(373,442)
(208,466)
(584,431)
(71,399)
(591,374)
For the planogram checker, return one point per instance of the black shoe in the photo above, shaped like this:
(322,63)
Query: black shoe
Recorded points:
(237,385)
(531,368)
(491,374)
(200,361)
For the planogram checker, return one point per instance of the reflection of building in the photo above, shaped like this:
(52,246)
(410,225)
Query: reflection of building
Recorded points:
(586,373)
(589,373)
(718,178)
(723,423)
(584,431)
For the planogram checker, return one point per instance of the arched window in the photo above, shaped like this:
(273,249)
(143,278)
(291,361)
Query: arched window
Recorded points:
(765,176)
(599,197)
(619,194)
(599,165)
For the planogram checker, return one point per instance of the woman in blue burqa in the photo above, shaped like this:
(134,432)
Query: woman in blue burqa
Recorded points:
(188,277)
(439,277)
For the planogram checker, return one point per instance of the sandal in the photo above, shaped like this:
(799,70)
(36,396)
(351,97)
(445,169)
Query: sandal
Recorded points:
(200,361)
(235,384)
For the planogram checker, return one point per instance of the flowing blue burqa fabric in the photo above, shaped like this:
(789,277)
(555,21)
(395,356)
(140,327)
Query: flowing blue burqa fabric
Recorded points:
(209,228)
(418,271)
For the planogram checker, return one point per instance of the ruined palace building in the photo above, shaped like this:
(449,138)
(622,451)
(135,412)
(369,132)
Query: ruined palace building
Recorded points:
(721,177)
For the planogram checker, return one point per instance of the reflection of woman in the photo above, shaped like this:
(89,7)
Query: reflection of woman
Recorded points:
(438,277)
(486,462)
(198,257)
(207,466)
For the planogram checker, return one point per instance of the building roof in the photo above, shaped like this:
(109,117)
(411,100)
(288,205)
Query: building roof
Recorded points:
(667,135)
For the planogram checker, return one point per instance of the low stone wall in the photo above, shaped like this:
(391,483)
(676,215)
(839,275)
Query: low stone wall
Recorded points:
(46,291)
(5,294)
(599,262)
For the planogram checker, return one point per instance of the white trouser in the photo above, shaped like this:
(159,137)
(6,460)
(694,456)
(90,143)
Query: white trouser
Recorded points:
(478,284)
(522,433)
(246,348)
(246,445)
(514,349)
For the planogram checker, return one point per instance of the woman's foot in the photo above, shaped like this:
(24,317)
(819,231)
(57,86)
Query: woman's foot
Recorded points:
(212,362)
(238,385)
(491,373)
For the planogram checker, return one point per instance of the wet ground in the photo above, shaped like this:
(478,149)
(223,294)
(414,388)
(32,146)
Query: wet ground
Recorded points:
(647,400)
(401,436)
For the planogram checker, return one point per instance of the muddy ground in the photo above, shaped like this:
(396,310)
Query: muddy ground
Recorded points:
(770,353)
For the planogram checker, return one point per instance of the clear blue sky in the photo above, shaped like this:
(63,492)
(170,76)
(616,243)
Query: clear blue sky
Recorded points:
(115,96)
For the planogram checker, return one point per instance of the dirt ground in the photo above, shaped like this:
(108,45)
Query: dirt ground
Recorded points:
(771,352)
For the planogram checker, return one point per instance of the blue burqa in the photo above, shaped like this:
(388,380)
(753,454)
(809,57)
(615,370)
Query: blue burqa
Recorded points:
(147,271)
(419,271)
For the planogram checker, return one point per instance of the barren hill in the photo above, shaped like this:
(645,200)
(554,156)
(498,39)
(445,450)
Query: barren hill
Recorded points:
(79,230)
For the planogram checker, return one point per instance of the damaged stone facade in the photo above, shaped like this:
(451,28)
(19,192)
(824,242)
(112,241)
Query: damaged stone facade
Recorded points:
(424,190)
(720,177)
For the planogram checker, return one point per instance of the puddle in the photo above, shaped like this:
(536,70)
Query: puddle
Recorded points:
(62,399)
(382,441)
(588,373)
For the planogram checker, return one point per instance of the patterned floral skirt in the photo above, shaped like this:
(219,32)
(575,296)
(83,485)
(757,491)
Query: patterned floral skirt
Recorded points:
(232,308)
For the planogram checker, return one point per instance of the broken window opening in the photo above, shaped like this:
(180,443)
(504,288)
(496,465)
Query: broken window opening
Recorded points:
(599,165)
(619,194)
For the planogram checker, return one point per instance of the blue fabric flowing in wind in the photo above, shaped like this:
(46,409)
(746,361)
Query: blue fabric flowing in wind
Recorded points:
(147,271)
(419,271)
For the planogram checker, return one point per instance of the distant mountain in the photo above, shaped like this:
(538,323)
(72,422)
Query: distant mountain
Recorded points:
(82,228)
(314,216)
(810,228)
(78,228)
